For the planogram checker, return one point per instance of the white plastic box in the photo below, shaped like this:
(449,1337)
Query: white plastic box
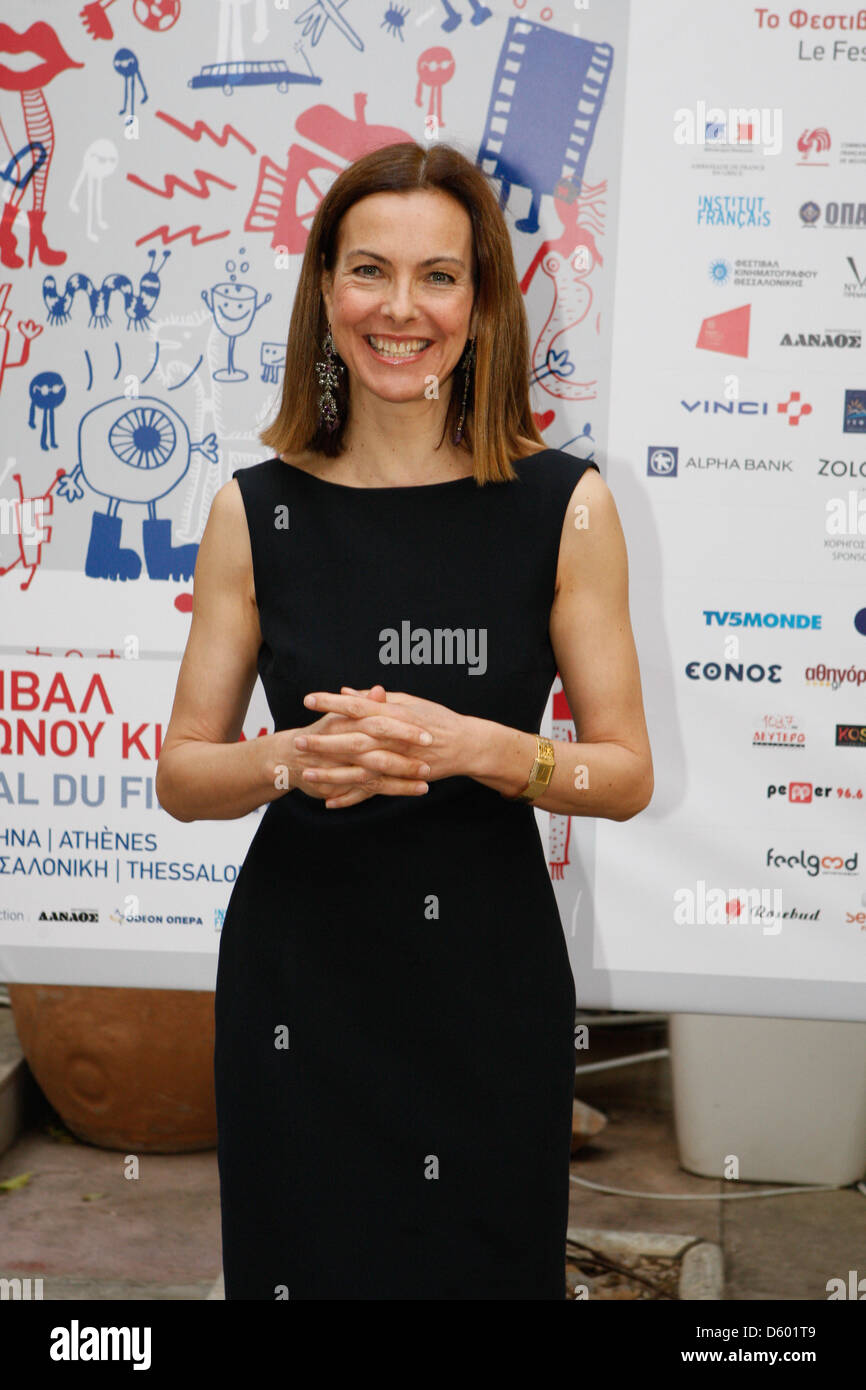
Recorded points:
(785,1097)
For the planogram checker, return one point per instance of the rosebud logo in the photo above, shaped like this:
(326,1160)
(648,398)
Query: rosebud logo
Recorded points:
(720,907)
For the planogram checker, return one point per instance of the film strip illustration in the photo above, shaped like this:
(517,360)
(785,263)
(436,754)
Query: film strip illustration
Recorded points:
(546,97)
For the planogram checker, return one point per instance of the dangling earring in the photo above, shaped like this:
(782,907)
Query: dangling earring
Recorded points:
(467,365)
(328,373)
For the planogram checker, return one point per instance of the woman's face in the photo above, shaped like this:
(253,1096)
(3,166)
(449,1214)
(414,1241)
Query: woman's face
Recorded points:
(399,299)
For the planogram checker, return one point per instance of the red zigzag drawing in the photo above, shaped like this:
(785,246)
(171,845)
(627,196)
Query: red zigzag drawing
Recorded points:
(171,181)
(202,128)
(166,236)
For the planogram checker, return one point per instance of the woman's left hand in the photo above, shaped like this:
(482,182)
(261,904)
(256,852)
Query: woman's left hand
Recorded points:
(452,734)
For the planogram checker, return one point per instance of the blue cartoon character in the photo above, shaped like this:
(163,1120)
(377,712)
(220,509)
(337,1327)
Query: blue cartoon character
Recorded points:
(134,450)
(47,392)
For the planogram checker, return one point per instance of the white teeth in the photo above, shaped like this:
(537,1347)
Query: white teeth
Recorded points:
(391,349)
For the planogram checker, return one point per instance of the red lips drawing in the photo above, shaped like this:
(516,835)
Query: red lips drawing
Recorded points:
(41,40)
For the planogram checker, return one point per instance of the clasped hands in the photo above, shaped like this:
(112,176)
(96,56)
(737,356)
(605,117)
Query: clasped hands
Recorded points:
(376,742)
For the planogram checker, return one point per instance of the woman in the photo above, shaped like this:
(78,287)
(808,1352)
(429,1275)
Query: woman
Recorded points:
(394,1055)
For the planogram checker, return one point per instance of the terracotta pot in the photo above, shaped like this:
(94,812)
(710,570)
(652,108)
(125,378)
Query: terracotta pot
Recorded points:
(127,1069)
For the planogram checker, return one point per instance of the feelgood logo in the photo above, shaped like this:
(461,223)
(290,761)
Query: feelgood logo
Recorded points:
(813,864)
(438,646)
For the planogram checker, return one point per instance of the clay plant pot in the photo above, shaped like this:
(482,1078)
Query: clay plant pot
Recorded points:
(127,1069)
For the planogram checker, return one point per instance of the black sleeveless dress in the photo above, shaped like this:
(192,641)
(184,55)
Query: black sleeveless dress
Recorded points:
(394,1058)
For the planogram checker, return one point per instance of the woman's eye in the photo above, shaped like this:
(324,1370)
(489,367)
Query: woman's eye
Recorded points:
(359,270)
(445,273)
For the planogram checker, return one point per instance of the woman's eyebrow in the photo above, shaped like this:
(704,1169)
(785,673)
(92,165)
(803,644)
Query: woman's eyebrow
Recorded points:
(431,260)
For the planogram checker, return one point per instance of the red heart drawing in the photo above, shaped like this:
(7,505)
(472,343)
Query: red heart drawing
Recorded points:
(543,421)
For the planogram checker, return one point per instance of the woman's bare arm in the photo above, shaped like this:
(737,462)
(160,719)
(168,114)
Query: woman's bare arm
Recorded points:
(203,772)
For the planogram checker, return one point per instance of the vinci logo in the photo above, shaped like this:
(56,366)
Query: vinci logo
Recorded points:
(813,142)
(728,332)
(794,408)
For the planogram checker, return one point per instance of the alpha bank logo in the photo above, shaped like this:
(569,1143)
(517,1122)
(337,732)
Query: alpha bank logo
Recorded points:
(854,421)
(732,210)
(835,215)
(794,408)
(728,332)
(811,144)
(661,461)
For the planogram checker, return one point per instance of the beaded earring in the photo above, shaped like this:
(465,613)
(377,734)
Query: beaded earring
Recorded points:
(328,372)
(467,365)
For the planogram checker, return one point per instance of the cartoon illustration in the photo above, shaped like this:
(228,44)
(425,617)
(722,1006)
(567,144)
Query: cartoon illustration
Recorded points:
(41,40)
(231,69)
(27,329)
(47,392)
(100,160)
(394,20)
(136,306)
(234,306)
(568,262)
(316,17)
(545,101)
(273,360)
(126,64)
(435,68)
(156,15)
(31,538)
(560,826)
(479,14)
(134,450)
(276,202)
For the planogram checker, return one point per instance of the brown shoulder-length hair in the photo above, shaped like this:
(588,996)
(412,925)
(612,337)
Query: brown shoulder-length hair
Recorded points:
(498,412)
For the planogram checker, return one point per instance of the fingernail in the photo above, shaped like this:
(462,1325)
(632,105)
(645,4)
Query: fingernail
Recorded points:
(426,738)
(422,787)
(424,769)
(310,701)
(300,743)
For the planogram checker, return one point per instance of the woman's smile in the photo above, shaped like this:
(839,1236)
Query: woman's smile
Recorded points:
(396,350)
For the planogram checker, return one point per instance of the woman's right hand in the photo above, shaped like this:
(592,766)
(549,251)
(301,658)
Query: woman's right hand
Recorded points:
(382,765)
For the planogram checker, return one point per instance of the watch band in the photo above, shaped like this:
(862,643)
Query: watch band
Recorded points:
(541,773)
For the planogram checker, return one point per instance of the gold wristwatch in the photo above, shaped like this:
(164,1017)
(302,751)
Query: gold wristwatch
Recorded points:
(542,771)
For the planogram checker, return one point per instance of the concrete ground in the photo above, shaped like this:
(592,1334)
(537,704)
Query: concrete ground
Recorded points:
(90,1233)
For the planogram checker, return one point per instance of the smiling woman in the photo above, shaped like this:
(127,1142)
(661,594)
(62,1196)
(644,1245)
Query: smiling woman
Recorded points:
(394,1013)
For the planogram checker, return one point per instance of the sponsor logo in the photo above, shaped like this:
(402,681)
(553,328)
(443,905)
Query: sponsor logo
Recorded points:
(732,210)
(661,461)
(812,143)
(793,408)
(854,419)
(803,793)
(856,287)
(813,864)
(778,731)
(738,126)
(834,677)
(834,215)
(732,671)
(77,915)
(728,332)
(741,619)
(844,339)
(708,462)
(851,735)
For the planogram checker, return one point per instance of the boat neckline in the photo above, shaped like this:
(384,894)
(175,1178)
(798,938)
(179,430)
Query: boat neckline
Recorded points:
(399,487)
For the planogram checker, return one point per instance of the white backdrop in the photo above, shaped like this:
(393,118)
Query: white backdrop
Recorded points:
(696,314)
